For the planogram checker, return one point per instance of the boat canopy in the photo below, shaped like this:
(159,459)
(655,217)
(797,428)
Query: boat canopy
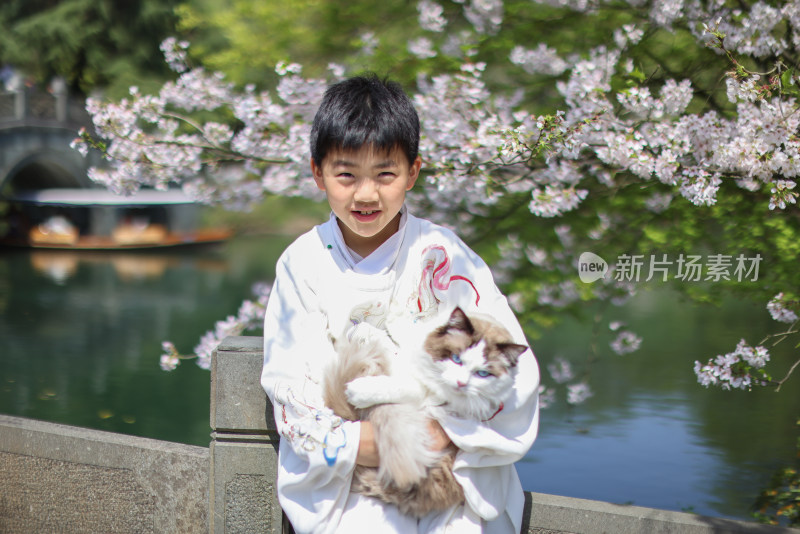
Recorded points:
(99,197)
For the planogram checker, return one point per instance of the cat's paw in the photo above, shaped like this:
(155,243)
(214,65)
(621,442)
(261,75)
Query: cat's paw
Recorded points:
(359,394)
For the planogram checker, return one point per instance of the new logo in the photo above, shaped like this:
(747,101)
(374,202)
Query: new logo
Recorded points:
(591,267)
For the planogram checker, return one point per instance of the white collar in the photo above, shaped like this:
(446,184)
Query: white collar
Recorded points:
(382,258)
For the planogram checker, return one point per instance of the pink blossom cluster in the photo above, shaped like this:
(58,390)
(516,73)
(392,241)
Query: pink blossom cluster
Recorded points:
(780,308)
(740,369)
(626,342)
(479,145)
(561,372)
(578,393)
(744,367)
(155,141)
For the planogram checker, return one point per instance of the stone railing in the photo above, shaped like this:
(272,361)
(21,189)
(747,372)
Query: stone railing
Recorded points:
(32,106)
(244,442)
(56,478)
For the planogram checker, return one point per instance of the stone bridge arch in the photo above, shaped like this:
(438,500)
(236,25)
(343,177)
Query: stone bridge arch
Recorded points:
(36,129)
(41,158)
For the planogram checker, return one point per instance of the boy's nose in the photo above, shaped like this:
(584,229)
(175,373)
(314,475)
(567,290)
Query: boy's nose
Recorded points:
(366,191)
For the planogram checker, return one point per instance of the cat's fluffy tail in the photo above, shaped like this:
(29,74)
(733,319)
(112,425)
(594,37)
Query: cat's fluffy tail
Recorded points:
(439,490)
(403,441)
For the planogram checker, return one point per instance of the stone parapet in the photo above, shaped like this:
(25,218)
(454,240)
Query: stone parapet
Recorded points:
(244,446)
(58,478)
(551,514)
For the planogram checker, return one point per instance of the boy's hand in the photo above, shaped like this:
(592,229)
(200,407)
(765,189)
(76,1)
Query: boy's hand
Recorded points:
(439,439)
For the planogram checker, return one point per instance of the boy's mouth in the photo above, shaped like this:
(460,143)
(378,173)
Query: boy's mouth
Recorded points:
(365,215)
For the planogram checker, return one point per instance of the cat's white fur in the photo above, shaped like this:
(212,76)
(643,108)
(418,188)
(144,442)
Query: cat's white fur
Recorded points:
(399,390)
(398,398)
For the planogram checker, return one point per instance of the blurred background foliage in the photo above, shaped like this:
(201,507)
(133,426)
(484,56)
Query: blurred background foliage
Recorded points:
(90,43)
(113,45)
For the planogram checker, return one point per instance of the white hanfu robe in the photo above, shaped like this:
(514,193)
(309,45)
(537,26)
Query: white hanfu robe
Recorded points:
(320,288)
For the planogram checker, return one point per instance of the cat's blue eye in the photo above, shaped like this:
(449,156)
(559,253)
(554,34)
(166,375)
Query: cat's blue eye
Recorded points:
(482,373)
(456,358)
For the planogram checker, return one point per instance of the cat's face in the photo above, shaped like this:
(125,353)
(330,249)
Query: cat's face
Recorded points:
(472,362)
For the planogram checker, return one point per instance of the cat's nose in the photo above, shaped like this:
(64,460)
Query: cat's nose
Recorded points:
(460,384)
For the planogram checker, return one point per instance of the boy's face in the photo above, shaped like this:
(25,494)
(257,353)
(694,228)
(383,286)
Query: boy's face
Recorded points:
(366,189)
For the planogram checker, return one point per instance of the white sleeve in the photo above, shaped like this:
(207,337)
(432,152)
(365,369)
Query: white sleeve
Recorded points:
(317,450)
(488,449)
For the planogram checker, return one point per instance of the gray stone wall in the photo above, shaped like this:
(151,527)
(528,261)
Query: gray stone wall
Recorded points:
(551,514)
(57,478)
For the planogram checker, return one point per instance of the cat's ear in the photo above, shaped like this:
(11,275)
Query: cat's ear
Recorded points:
(511,351)
(459,321)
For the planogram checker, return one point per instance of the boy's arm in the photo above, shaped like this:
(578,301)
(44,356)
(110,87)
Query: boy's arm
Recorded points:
(367,450)
(439,438)
(318,450)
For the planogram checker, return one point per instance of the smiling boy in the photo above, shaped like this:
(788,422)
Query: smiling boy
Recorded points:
(366,189)
(373,261)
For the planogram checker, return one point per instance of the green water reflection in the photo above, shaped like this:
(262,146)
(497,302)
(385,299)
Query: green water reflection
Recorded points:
(81,333)
(81,338)
(650,435)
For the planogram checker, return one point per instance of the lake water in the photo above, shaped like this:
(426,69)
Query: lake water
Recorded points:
(81,339)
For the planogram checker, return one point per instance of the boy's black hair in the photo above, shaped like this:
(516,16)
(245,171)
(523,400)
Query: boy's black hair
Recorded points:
(365,110)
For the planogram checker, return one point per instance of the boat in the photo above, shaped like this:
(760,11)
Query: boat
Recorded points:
(98,219)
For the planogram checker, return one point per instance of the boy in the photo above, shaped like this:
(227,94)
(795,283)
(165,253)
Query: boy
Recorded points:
(373,261)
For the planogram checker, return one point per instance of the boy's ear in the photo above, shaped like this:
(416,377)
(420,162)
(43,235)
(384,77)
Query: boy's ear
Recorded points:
(413,173)
(316,170)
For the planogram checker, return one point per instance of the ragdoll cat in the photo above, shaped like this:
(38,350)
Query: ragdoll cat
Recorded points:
(464,367)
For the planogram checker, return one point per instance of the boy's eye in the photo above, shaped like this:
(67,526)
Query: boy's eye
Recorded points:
(482,373)
(456,358)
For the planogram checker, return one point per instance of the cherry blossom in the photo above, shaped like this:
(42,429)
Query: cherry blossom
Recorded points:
(546,396)
(740,369)
(431,16)
(482,146)
(249,316)
(578,393)
(542,59)
(779,310)
(626,342)
(561,371)
(422,48)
